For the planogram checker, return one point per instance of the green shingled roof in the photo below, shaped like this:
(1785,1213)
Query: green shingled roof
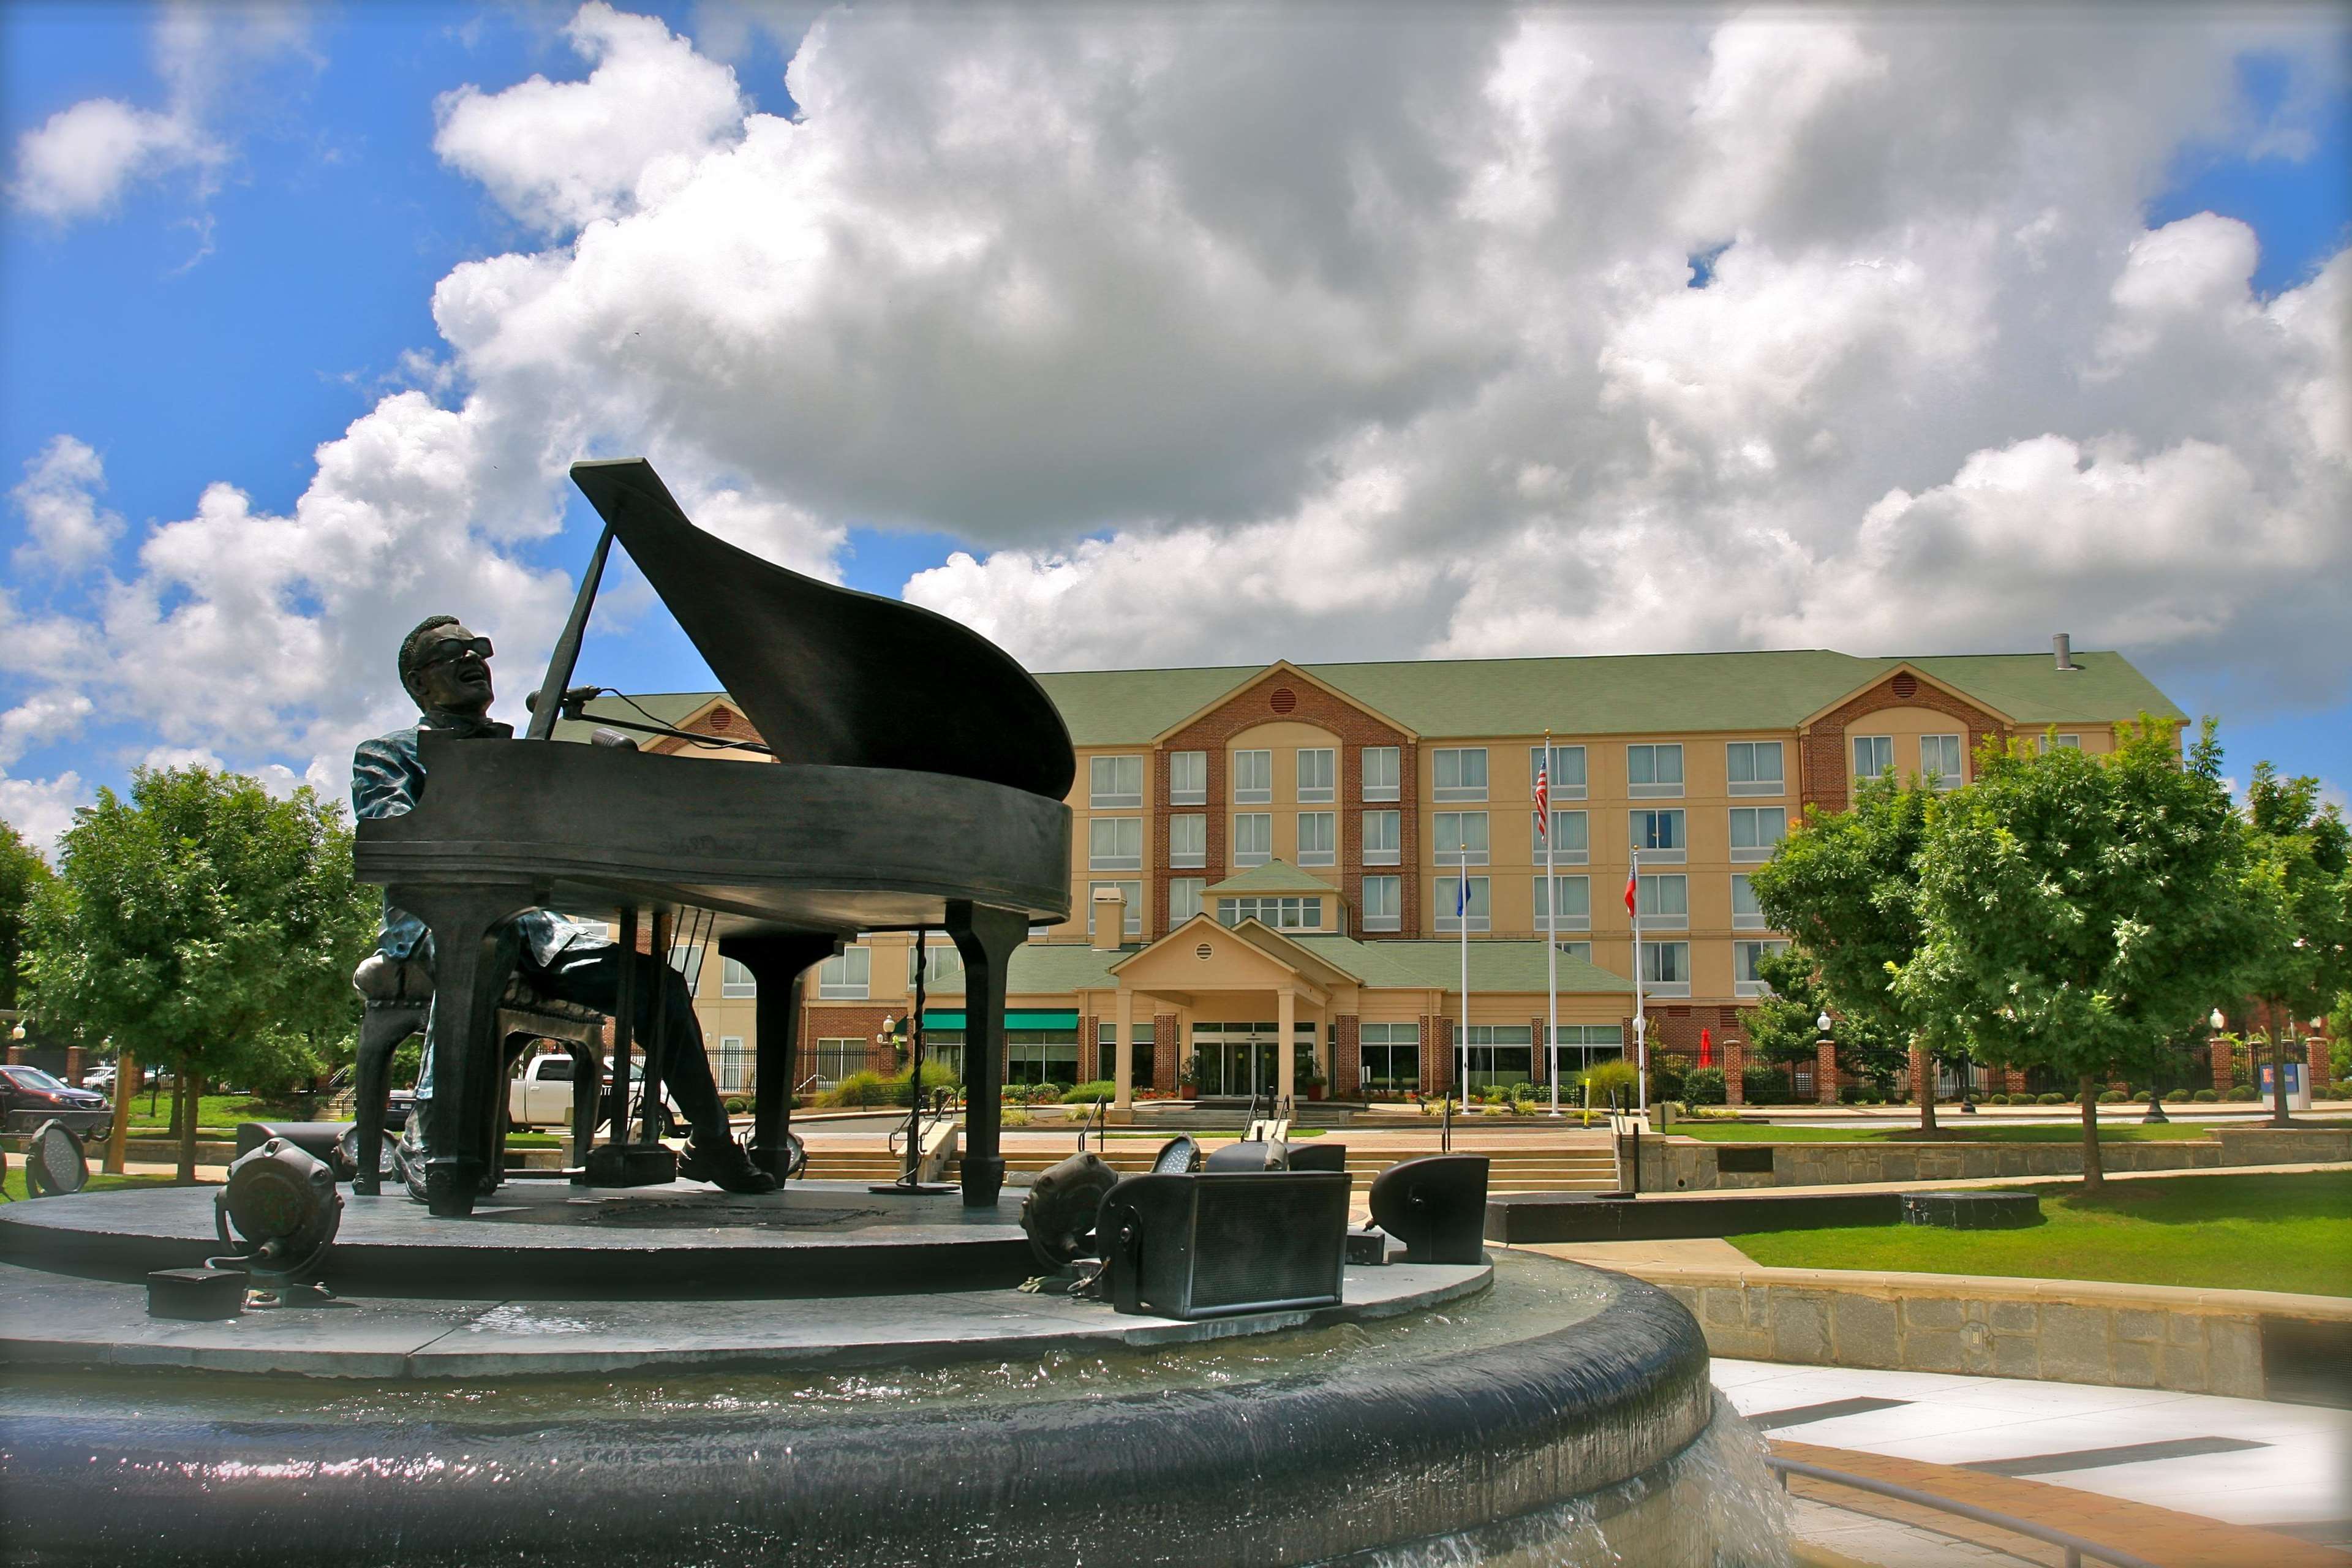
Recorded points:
(1273,876)
(1412,964)
(1049,969)
(1631,694)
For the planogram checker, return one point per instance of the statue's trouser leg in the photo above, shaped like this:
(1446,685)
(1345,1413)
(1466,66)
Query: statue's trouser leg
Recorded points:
(594,981)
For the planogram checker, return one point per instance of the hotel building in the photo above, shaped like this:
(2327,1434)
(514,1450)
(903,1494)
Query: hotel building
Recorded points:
(1277,853)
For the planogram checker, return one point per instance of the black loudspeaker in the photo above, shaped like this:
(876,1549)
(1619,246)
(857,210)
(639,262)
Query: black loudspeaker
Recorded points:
(1212,1245)
(1248,1155)
(1178,1155)
(1319,1156)
(1436,1206)
(322,1141)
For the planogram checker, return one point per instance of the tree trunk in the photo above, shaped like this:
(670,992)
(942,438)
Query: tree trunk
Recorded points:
(192,1087)
(1925,1089)
(2093,1176)
(179,1088)
(2278,1062)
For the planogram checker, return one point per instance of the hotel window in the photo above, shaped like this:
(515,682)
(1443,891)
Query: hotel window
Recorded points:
(836,1060)
(688,962)
(1745,955)
(1383,905)
(1188,778)
(1252,778)
(1383,831)
(1567,782)
(1575,903)
(1586,1038)
(1939,758)
(1041,1056)
(1458,831)
(1652,771)
(1318,838)
(1392,1057)
(734,1064)
(1461,772)
(1872,755)
(846,977)
(1747,914)
(1253,838)
(1580,950)
(1754,767)
(1755,830)
(1666,968)
(1188,840)
(735,981)
(1131,921)
(1184,898)
(1281,914)
(1317,769)
(2045,743)
(1481,910)
(1571,839)
(1382,767)
(1115,781)
(1664,901)
(1114,844)
(1500,1055)
(1658,835)
(943,963)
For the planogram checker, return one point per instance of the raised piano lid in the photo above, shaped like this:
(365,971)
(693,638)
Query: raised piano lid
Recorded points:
(829,674)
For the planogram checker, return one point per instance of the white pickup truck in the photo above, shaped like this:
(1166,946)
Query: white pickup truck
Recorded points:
(539,1094)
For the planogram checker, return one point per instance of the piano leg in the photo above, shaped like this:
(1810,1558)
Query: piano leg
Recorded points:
(776,963)
(473,952)
(985,937)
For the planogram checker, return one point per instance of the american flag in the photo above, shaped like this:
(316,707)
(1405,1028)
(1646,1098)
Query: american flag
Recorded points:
(1543,799)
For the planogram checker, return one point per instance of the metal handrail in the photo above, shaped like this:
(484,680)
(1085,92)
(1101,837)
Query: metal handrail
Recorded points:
(2076,1547)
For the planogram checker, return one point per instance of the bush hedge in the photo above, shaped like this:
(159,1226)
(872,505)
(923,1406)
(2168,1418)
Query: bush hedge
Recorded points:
(1090,1093)
(1704,1086)
(2206,1096)
(2048,1099)
(2244,1092)
(2113,1097)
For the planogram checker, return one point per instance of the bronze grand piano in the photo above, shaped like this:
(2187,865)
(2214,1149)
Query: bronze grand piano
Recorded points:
(918,784)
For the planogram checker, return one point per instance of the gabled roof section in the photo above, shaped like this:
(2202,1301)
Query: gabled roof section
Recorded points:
(1288,951)
(1900,666)
(1273,876)
(1129,707)
(2033,691)
(1279,668)
(1049,969)
(671,707)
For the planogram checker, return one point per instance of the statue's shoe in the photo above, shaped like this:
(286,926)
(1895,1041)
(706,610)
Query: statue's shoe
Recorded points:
(727,1166)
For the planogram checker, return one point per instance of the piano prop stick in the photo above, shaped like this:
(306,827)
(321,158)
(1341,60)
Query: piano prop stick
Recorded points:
(908,774)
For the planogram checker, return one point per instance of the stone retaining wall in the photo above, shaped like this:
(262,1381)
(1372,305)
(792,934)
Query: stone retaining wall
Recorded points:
(2125,1336)
(1672,1164)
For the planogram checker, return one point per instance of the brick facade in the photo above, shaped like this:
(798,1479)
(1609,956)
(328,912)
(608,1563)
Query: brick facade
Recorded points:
(1166,1048)
(1347,1057)
(1302,702)
(1823,773)
(1437,1049)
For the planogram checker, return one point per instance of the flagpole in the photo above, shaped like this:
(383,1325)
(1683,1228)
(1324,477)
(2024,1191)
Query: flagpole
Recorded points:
(1641,1030)
(1551,931)
(1461,919)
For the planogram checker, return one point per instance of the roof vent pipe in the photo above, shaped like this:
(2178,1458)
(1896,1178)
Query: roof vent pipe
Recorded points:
(2062,650)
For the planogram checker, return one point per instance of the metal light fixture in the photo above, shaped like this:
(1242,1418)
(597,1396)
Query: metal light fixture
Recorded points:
(2217,1020)
(1822,1022)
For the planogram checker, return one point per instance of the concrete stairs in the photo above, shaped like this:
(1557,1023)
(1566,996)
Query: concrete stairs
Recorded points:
(1573,1170)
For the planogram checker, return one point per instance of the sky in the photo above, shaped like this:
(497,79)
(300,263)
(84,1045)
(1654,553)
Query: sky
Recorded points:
(1143,336)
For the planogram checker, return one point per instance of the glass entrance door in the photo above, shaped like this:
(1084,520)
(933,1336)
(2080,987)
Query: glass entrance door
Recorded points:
(1237,1060)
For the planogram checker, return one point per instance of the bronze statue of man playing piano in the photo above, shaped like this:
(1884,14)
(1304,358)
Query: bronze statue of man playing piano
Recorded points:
(447,670)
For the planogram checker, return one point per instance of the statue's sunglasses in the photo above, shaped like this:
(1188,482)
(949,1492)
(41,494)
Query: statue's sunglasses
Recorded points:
(450,651)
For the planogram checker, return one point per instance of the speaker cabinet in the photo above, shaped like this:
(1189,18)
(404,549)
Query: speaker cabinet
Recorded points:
(1213,1245)
(1436,1206)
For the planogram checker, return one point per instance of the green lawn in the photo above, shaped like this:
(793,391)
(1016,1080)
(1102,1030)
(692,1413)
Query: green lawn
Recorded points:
(1950,1129)
(215,1112)
(2254,1232)
(99,1180)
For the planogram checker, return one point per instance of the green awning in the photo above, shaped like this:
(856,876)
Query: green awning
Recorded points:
(1016,1018)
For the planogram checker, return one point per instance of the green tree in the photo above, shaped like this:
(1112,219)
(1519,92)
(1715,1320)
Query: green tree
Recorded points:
(2079,912)
(1783,1026)
(22,872)
(1845,887)
(2305,961)
(203,924)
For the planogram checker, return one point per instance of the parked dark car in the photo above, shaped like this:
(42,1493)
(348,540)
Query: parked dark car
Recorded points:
(29,1097)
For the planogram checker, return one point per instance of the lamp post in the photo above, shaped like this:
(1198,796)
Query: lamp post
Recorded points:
(1823,1024)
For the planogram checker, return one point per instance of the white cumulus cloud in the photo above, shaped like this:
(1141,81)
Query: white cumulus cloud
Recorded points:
(58,499)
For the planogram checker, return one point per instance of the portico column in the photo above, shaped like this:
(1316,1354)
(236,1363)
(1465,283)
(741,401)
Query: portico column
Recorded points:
(1285,1063)
(1123,1051)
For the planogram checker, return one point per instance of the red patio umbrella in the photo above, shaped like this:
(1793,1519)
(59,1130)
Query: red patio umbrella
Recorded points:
(1706,1048)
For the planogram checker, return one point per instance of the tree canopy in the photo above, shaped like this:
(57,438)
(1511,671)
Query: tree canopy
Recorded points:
(2078,911)
(22,872)
(2303,961)
(206,924)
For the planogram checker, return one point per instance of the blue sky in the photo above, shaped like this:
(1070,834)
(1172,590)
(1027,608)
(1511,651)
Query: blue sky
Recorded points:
(218,320)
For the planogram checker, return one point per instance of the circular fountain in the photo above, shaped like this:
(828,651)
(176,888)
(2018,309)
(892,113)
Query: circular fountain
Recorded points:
(751,1382)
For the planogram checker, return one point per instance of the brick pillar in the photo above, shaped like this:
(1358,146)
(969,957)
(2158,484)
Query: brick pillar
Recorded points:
(1825,1072)
(1167,1051)
(1922,1077)
(1436,1055)
(1735,1071)
(1090,1066)
(2012,1080)
(2217,1055)
(16,1054)
(1348,1058)
(73,1066)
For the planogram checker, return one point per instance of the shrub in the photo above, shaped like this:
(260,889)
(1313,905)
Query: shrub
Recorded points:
(1611,1080)
(2244,1092)
(2048,1099)
(1014,1117)
(1765,1087)
(2206,1096)
(862,1089)
(1850,1094)
(1088,1093)
(1704,1086)
(2113,1097)
(737,1105)
(1996,1099)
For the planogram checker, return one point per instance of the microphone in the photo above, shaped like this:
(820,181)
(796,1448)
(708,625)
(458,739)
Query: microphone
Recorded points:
(612,737)
(570,700)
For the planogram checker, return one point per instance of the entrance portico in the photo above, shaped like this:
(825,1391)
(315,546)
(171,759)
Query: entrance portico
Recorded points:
(1238,995)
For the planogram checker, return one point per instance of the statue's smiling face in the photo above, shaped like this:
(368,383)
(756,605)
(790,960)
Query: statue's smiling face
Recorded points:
(452,673)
